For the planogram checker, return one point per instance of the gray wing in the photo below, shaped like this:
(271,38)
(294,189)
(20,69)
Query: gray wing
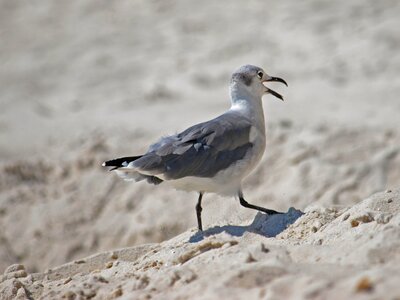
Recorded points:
(201,150)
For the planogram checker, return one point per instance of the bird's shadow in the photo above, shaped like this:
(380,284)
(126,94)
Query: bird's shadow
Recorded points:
(263,224)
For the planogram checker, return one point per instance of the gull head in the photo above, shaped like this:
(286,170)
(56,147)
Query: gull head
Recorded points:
(250,80)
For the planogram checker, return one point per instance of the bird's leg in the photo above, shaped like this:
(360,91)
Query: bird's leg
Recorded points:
(248,205)
(198,211)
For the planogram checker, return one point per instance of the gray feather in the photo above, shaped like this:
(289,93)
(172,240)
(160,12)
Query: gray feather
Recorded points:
(201,150)
(245,74)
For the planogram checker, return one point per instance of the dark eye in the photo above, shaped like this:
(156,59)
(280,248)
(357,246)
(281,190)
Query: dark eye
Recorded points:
(260,74)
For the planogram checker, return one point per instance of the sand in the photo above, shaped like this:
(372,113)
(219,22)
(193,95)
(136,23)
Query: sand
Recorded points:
(325,254)
(82,82)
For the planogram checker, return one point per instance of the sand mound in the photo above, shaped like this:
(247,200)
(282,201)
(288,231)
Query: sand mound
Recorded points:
(324,254)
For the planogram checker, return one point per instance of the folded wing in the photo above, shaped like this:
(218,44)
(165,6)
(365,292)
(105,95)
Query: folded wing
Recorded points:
(201,150)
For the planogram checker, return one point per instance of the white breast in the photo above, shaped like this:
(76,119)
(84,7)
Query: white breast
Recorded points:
(228,181)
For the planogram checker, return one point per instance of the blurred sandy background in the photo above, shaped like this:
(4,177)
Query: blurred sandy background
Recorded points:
(85,81)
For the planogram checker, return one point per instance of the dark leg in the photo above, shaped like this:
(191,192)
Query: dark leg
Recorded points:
(198,211)
(248,205)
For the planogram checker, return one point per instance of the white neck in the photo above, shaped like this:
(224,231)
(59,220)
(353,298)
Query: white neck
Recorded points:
(247,103)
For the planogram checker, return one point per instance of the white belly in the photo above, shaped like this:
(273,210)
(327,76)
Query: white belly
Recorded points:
(226,182)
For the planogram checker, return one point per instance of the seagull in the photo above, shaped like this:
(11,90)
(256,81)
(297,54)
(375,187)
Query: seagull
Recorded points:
(213,156)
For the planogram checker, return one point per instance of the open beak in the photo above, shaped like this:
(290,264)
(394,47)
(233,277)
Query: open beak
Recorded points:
(268,90)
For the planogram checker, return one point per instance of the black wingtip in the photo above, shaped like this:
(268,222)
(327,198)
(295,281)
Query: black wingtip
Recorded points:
(119,162)
(110,164)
